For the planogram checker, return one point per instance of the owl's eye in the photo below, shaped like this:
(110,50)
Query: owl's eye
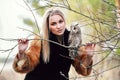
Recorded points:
(74,28)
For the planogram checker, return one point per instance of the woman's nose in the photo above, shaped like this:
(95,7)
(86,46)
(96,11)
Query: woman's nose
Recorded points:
(58,25)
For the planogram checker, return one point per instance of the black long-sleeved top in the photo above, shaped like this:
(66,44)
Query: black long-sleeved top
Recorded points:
(57,66)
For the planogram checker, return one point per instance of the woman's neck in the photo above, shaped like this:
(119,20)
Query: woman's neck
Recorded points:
(60,39)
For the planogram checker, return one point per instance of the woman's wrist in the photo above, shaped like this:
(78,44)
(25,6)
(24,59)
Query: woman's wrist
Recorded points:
(21,55)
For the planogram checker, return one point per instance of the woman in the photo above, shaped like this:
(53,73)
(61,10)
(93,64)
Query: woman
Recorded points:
(44,60)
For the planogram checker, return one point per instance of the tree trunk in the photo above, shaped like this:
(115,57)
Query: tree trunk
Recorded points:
(117,3)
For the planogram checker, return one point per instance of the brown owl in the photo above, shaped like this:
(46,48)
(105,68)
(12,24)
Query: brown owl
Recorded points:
(74,39)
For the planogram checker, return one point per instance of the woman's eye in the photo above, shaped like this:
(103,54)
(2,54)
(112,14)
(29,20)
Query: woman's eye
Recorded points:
(53,24)
(61,21)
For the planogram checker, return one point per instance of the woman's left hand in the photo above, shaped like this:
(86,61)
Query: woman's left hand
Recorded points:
(89,49)
(84,59)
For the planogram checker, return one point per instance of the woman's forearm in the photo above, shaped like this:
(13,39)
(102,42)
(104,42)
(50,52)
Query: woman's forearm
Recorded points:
(83,64)
(29,59)
(83,61)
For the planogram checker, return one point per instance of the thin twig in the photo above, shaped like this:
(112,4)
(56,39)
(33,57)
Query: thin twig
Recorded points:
(33,16)
(109,3)
(7,59)
(29,31)
(51,3)
(97,73)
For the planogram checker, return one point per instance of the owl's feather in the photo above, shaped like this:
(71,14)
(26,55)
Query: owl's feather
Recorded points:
(74,38)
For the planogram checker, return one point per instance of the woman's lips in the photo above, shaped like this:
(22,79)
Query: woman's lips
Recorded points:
(60,31)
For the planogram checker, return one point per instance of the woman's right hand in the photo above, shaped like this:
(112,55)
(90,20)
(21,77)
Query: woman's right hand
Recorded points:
(22,45)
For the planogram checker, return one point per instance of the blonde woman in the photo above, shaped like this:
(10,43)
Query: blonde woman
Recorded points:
(42,60)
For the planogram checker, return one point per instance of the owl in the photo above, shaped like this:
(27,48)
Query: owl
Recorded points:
(74,39)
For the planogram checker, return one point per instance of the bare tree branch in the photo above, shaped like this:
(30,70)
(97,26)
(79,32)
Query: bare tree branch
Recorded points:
(7,58)
(33,16)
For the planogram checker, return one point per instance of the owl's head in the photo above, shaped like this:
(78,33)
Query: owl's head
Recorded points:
(75,28)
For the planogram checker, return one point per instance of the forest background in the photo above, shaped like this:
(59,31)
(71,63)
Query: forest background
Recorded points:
(99,20)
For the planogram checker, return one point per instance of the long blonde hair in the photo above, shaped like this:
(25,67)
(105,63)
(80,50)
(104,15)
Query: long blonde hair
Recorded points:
(45,31)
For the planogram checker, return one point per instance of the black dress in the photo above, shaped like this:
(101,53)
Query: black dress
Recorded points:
(58,66)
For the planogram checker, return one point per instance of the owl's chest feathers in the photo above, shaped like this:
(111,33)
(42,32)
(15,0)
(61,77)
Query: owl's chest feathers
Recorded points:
(75,41)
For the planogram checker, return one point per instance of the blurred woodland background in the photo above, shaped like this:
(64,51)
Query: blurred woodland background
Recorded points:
(100,24)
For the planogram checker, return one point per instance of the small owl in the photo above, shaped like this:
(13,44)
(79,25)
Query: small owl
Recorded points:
(74,39)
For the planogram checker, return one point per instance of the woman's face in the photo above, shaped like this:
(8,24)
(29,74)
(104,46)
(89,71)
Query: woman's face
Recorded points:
(56,24)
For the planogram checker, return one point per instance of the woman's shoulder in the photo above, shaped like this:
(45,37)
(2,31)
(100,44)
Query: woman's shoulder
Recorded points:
(67,31)
(38,37)
(36,41)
